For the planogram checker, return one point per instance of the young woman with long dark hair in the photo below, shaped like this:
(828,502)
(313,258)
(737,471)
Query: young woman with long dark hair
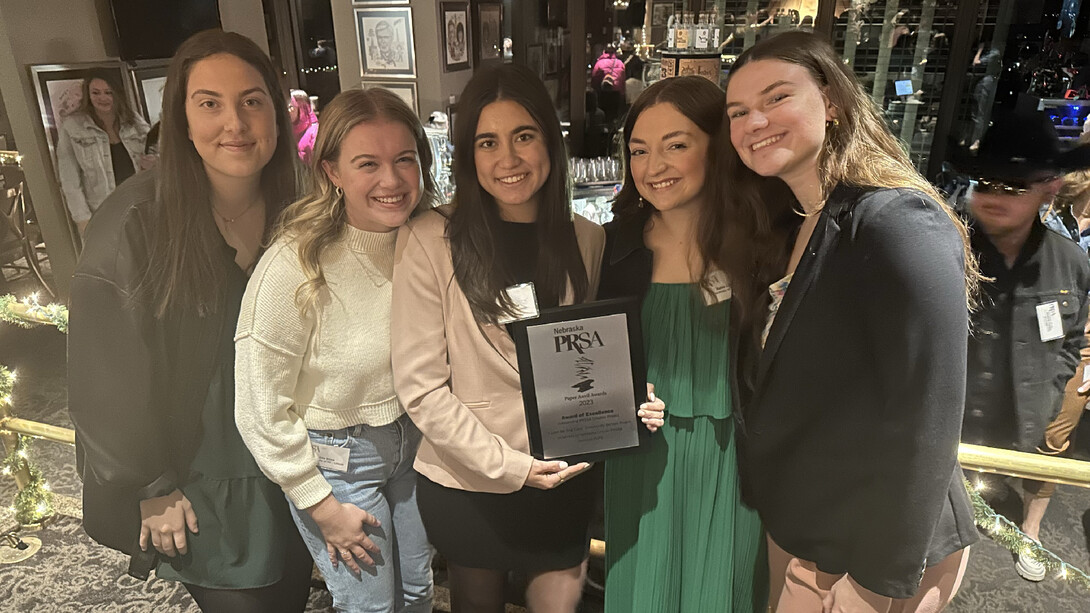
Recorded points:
(852,283)
(155,298)
(488,505)
(678,537)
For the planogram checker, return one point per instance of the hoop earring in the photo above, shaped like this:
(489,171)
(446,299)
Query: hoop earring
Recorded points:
(340,192)
(832,123)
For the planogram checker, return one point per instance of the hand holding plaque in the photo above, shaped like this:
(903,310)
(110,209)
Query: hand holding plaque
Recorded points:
(583,377)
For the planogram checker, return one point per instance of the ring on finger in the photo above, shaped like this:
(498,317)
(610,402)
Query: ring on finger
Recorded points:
(346,555)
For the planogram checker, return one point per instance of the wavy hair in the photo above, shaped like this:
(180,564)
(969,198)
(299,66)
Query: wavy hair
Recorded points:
(122,108)
(701,101)
(306,112)
(318,219)
(475,219)
(859,151)
(186,266)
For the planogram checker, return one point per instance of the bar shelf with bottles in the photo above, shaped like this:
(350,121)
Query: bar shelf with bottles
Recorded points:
(692,46)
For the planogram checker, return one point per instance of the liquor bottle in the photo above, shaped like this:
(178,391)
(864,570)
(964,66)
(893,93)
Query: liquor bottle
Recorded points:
(703,33)
(671,31)
(683,38)
(716,28)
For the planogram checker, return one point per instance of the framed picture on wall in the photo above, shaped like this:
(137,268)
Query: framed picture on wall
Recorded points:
(552,57)
(535,59)
(454,23)
(148,78)
(385,37)
(59,88)
(660,13)
(490,30)
(405,91)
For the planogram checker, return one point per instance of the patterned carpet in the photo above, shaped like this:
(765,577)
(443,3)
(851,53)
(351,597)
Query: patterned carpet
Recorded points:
(72,573)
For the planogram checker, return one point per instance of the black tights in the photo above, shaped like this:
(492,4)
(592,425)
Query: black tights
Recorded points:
(476,590)
(289,595)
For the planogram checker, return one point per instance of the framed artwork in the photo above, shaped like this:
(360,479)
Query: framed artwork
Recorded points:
(405,91)
(385,37)
(535,59)
(59,88)
(552,57)
(490,28)
(148,78)
(454,23)
(660,13)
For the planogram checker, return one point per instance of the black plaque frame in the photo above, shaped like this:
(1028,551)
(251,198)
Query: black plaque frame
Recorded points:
(629,307)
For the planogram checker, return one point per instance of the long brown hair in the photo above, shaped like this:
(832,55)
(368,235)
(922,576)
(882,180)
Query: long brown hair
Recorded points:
(186,266)
(701,101)
(859,151)
(318,218)
(124,114)
(475,220)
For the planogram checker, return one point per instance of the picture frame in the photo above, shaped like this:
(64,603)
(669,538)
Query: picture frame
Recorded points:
(405,90)
(59,91)
(535,59)
(552,57)
(147,79)
(385,42)
(660,13)
(583,374)
(456,28)
(489,31)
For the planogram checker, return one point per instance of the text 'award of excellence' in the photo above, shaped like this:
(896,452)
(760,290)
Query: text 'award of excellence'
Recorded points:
(583,379)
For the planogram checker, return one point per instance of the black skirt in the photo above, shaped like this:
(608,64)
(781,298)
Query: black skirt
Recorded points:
(530,530)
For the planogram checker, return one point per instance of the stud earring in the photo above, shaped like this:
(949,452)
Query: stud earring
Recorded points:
(832,123)
(642,203)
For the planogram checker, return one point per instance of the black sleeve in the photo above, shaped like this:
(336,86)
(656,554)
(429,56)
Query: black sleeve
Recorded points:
(911,289)
(114,400)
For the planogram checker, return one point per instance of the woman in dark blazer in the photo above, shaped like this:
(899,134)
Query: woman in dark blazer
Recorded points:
(851,285)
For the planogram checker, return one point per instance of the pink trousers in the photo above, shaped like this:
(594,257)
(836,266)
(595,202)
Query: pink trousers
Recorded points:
(797,586)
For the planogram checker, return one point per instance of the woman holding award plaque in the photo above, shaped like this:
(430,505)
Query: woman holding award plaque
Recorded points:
(460,273)
(678,537)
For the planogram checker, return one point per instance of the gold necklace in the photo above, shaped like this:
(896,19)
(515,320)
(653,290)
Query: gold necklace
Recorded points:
(227,219)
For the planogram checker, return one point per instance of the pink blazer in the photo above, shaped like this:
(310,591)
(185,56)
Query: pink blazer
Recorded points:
(458,379)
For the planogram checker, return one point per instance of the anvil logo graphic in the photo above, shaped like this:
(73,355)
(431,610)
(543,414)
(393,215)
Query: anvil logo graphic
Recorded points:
(584,386)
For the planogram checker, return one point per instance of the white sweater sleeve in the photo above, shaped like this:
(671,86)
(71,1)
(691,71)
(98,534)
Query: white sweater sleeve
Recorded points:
(270,344)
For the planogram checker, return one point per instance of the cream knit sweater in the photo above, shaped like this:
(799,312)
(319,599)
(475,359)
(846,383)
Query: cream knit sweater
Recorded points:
(327,370)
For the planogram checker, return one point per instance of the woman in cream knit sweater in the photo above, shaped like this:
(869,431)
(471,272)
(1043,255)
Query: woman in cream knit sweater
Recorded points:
(315,400)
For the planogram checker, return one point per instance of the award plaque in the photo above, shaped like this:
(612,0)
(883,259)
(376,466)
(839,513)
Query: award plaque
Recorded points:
(583,379)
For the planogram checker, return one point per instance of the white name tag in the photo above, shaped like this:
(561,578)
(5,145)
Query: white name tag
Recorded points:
(331,458)
(718,288)
(1049,321)
(524,299)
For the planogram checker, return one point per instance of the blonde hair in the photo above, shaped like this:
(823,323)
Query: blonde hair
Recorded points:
(318,219)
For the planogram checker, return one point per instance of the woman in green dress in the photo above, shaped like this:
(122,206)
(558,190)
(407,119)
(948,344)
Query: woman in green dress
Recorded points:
(678,537)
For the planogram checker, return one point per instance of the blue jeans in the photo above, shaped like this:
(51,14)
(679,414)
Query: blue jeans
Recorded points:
(380,480)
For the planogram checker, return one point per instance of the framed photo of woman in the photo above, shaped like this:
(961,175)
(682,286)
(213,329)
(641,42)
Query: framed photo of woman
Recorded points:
(59,88)
(454,20)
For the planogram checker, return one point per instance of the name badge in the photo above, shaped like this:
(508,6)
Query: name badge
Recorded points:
(1049,322)
(524,299)
(718,288)
(331,458)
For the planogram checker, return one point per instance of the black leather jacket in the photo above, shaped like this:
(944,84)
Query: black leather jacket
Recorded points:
(1050,268)
(136,383)
(626,263)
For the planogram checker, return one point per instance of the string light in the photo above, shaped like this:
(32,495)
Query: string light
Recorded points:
(30,312)
(1006,534)
(318,69)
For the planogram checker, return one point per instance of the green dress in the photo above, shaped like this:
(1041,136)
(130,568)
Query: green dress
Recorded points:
(244,525)
(678,538)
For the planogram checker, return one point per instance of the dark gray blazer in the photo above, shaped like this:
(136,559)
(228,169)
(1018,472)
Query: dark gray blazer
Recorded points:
(850,426)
